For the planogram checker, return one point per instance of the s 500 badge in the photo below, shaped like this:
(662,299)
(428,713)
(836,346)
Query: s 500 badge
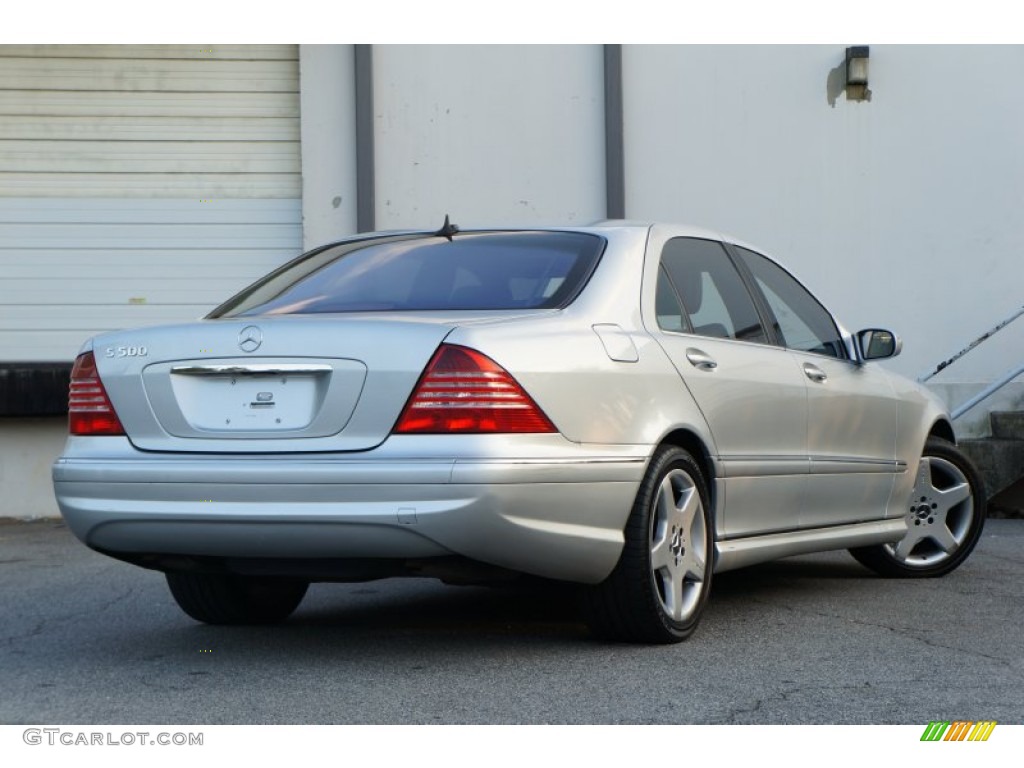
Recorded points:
(126,352)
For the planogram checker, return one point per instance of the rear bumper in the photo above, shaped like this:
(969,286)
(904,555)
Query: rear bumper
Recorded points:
(560,517)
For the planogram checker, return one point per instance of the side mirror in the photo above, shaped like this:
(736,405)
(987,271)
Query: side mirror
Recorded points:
(878,344)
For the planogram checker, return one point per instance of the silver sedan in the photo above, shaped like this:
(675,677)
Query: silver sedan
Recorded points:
(629,407)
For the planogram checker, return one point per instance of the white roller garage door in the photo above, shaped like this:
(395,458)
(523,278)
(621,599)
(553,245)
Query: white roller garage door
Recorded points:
(139,185)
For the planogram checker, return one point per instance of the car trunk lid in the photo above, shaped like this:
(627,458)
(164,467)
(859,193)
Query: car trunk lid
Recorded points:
(281,384)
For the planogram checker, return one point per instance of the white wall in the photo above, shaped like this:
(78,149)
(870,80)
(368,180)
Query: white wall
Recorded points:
(327,97)
(493,135)
(28,448)
(903,211)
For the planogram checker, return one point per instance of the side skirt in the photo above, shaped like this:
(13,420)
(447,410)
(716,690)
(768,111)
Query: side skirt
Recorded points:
(739,553)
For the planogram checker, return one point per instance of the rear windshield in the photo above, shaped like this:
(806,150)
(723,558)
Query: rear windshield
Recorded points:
(482,270)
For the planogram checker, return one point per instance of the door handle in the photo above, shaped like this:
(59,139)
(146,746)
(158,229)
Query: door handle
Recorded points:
(814,373)
(701,360)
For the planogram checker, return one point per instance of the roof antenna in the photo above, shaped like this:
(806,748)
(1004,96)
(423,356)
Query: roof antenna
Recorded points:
(448,229)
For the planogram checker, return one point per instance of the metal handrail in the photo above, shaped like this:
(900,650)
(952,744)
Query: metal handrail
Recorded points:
(990,390)
(960,410)
(984,337)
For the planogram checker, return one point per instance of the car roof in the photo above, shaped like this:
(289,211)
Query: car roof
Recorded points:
(597,227)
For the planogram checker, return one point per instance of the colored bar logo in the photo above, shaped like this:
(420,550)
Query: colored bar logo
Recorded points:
(958,730)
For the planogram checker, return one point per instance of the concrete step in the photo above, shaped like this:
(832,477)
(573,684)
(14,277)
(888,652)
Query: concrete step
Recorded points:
(1008,424)
(1008,502)
(1000,461)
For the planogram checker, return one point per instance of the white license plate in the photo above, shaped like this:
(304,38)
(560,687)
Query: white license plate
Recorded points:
(246,403)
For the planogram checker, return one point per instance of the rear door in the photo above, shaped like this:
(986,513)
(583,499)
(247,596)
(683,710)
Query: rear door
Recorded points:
(752,396)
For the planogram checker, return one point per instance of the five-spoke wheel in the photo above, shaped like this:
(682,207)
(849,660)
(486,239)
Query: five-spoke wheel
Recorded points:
(658,590)
(678,545)
(945,514)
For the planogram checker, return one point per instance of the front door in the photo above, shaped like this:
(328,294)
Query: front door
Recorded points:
(851,408)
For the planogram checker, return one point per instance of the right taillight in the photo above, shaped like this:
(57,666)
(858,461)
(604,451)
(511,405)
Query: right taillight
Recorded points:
(90,411)
(465,392)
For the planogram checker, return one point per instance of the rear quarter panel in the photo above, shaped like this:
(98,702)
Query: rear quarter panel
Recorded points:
(561,362)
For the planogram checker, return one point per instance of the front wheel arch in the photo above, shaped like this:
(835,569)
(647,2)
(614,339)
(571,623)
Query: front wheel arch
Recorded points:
(943,430)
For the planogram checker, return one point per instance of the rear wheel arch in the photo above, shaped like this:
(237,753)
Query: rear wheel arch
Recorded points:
(692,443)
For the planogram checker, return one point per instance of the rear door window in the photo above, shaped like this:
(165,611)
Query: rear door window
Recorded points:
(711,291)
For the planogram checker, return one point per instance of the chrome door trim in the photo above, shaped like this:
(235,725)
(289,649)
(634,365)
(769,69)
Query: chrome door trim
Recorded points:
(841,465)
(769,466)
(763,466)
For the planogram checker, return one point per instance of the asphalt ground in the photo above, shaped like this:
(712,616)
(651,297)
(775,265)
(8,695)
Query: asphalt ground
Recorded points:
(816,639)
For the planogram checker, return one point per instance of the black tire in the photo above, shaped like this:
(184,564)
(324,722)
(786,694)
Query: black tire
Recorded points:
(644,602)
(215,598)
(945,515)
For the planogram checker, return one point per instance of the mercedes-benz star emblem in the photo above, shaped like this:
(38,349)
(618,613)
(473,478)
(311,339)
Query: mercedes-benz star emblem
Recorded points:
(250,338)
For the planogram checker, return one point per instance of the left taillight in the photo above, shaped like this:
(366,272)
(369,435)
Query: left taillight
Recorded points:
(90,411)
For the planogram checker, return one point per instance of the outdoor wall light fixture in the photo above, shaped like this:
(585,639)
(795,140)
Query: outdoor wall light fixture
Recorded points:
(850,75)
(857,65)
